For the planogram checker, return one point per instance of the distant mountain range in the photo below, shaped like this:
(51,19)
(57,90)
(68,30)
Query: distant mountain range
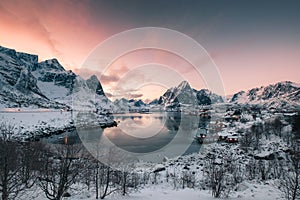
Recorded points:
(25,82)
(184,95)
(132,105)
(284,95)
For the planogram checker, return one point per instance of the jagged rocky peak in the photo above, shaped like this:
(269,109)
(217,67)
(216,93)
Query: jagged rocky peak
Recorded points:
(183,85)
(51,64)
(185,94)
(286,86)
(94,84)
(281,94)
(52,71)
(280,89)
(9,52)
(237,95)
(203,98)
(27,57)
(139,103)
(13,65)
(18,84)
(206,97)
(133,102)
(26,82)
(182,94)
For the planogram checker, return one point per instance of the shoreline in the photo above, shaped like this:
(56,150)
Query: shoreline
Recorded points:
(38,137)
(32,126)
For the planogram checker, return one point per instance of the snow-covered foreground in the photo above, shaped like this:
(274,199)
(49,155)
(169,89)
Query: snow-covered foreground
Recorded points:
(36,123)
(254,170)
(31,119)
(247,191)
(160,192)
(39,122)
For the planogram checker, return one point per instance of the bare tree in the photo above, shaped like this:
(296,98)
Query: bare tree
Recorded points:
(263,169)
(257,130)
(126,169)
(247,140)
(61,166)
(111,173)
(16,174)
(219,178)
(188,179)
(290,182)
(106,175)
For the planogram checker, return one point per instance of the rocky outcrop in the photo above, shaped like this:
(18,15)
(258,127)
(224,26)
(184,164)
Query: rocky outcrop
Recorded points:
(284,95)
(184,95)
(25,82)
(94,84)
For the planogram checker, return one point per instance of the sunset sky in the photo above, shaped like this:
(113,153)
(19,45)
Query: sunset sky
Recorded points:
(253,43)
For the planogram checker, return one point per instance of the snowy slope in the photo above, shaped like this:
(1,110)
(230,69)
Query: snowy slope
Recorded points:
(284,95)
(18,85)
(251,191)
(36,122)
(26,83)
(123,105)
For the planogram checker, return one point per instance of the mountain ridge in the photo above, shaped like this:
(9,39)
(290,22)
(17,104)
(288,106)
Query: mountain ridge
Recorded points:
(25,82)
(281,94)
(185,95)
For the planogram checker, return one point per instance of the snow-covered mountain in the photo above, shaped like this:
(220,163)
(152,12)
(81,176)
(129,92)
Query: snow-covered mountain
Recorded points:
(54,81)
(18,85)
(132,105)
(204,95)
(285,95)
(184,95)
(27,83)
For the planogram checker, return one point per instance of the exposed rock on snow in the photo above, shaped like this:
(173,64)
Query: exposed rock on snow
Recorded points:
(284,95)
(183,94)
(27,83)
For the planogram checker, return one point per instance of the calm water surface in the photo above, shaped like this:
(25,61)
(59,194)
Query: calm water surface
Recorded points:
(144,133)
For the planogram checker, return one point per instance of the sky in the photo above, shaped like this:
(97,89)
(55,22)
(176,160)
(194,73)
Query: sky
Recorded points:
(252,43)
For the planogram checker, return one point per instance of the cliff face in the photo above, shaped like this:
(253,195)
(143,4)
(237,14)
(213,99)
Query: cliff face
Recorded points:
(27,83)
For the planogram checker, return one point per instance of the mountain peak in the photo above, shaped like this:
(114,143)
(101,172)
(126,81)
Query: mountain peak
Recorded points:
(184,85)
(11,52)
(94,84)
(94,78)
(288,83)
(27,82)
(53,64)
(273,94)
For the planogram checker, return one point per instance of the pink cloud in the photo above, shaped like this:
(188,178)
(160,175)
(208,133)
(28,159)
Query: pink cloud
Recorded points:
(105,79)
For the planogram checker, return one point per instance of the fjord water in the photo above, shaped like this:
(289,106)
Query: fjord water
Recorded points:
(145,132)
